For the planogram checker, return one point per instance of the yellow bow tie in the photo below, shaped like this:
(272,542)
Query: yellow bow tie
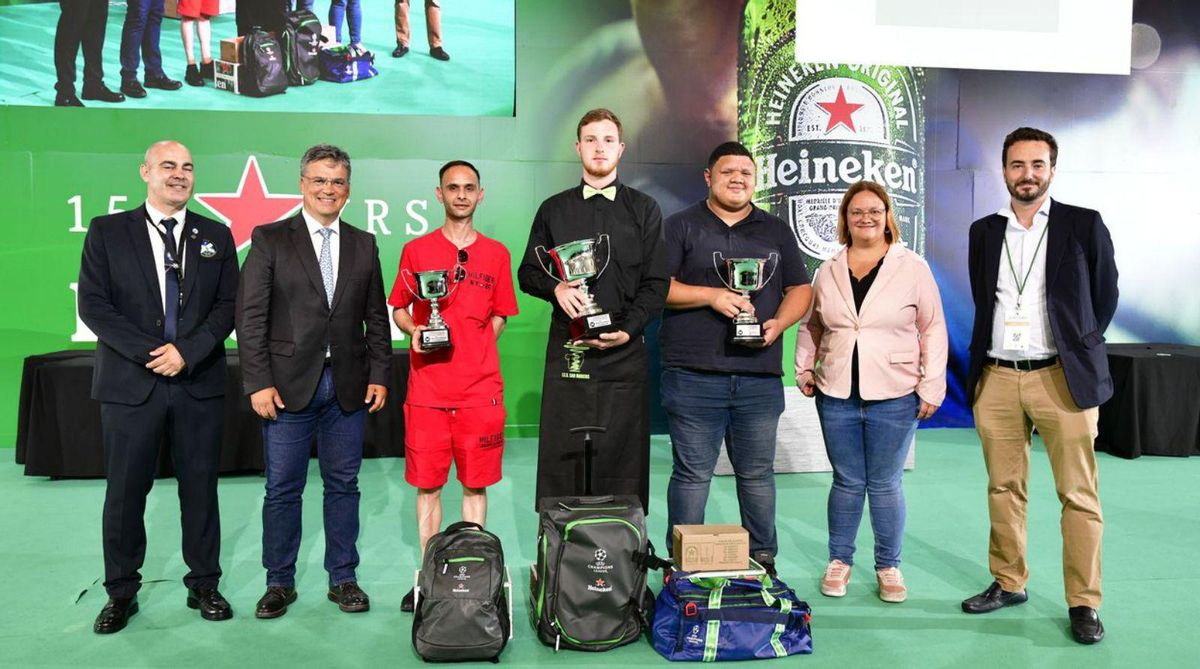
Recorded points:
(609,192)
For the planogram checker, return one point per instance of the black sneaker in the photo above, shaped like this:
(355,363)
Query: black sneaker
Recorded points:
(399,51)
(192,76)
(439,53)
(767,561)
(206,70)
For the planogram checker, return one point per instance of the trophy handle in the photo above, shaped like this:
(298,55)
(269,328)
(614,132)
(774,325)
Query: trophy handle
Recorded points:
(717,269)
(604,239)
(774,267)
(404,278)
(538,251)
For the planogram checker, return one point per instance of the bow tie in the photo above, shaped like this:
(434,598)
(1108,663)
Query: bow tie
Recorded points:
(609,192)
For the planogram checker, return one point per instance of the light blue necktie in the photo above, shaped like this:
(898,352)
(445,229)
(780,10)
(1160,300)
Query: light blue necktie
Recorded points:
(327,265)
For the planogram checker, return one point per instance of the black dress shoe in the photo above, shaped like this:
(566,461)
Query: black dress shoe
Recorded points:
(67,100)
(1085,624)
(163,82)
(399,51)
(206,70)
(102,93)
(993,598)
(439,53)
(211,604)
(115,614)
(274,602)
(349,597)
(767,561)
(192,76)
(409,603)
(133,89)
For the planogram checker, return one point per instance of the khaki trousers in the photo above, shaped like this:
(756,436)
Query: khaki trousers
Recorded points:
(1007,404)
(433,23)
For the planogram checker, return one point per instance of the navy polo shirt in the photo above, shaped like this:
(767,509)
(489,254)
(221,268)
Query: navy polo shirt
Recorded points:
(698,338)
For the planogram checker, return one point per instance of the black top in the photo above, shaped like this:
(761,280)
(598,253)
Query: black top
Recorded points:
(698,338)
(860,288)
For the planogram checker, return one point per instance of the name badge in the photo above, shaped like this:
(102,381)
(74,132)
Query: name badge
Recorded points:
(1017,329)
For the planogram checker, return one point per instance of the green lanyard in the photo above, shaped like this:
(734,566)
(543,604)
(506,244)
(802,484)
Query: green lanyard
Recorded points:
(1022,283)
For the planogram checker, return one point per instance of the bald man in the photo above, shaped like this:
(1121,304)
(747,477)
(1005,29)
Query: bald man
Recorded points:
(157,284)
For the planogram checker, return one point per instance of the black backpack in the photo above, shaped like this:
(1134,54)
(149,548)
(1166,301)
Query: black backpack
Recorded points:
(462,612)
(261,71)
(302,39)
(588,589)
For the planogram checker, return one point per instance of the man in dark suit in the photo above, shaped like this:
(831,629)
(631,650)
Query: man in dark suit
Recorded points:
(81,22)
(157,285)
(1044,283)
(139,46)
(316,351)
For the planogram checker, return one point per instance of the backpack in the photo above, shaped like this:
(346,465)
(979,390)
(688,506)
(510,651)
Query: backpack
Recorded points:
(341,65)
(707,619)
(588,589)
(462,612)
(302,39)
(262,65)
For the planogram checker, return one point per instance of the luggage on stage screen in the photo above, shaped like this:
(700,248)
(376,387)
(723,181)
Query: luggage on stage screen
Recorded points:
(261,67)
(588,588)
(703,618)
(301,40)
(343,65)
(462,607)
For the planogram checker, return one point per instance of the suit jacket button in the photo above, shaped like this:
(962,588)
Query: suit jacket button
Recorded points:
(158,323)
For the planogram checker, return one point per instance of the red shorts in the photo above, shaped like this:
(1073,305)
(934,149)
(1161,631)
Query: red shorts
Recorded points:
(196,9)
(473,438)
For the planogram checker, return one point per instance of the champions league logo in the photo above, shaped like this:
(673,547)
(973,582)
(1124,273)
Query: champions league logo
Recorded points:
(601,554)
(600,564)
(462,570)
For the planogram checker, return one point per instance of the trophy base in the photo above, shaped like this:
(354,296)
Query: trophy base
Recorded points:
(434,339)
(591,326)
(746,334)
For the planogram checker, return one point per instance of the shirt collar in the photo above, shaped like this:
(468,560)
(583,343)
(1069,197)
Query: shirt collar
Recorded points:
(157,216)
(615,182)
(314,225)
(755,214)
(1040,217)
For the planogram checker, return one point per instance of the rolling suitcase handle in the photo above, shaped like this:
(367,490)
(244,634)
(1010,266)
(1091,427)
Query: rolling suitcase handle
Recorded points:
(587,431)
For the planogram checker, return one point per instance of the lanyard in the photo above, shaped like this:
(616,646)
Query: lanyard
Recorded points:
(1021,283)
(174,256)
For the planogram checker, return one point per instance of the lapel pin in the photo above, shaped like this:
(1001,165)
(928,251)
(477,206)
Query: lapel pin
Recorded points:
(207,249)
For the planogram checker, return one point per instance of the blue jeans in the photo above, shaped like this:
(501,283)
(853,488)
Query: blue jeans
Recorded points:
(139,39)
(704,409)
(867,443)
(286,444)
(338,9)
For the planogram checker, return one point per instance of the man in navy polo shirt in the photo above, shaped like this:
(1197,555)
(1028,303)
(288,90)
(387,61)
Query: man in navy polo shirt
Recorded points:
(715,390)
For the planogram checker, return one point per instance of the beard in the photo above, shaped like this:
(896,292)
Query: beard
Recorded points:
(1039,191)
(602,172)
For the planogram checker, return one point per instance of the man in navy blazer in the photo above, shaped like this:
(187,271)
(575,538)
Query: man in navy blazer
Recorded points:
(1044,283)
(157,285)
(316,355)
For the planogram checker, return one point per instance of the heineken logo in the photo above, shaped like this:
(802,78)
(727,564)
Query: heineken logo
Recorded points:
(600,585)
(840,111)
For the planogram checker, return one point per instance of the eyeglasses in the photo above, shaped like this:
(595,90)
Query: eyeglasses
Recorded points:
(321,182)
(862,213)
(460,272)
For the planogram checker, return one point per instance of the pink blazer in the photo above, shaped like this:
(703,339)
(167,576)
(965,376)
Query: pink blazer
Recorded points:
(901,332)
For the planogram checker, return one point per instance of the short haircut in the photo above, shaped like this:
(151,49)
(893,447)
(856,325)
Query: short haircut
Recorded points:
(457,163)
(890,231)
(598,114)
(323,152)
(728,149)
(1030,135)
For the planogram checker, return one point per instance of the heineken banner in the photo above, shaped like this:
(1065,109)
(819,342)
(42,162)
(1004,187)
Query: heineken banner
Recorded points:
(684,76)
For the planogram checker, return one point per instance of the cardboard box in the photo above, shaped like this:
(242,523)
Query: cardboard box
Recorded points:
(229,49)
(225,76)
(711,547)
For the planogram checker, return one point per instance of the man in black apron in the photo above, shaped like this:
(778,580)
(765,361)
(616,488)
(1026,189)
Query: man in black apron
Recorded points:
(598,379)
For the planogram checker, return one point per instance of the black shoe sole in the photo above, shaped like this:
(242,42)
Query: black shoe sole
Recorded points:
(133,609)
(350,608)
(207,615)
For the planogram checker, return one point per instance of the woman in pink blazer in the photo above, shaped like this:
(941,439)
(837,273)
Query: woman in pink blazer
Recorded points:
(874,356)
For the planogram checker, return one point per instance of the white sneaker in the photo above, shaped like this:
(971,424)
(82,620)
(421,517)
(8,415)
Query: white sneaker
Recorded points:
(891,585)
(837,576)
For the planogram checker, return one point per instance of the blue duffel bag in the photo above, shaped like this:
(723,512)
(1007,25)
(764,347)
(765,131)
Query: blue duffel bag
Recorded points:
(713,619)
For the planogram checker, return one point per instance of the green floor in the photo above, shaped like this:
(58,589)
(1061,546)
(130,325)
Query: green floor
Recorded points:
(51,553)
(478,80)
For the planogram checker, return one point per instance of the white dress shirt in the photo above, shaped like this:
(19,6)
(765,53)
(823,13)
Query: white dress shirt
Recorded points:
(1027,256)
(314,235)
(155,229)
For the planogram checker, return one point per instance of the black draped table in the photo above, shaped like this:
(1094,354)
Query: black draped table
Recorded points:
(1155,407)
(58,427)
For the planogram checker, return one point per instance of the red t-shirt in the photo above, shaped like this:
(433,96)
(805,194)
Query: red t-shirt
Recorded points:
(468,373)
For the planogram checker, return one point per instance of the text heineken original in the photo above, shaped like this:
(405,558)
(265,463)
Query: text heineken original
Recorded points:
(816,128)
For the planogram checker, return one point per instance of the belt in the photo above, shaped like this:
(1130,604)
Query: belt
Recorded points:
(1023,365)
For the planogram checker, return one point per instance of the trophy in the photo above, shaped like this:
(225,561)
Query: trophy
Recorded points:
(577,260)
(432,286)
(745,275)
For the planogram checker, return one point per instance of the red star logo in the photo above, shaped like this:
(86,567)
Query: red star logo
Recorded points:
(599,583)
(250,206)
(840,112)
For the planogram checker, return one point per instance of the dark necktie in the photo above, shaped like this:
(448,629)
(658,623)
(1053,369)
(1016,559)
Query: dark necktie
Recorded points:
(171,267)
